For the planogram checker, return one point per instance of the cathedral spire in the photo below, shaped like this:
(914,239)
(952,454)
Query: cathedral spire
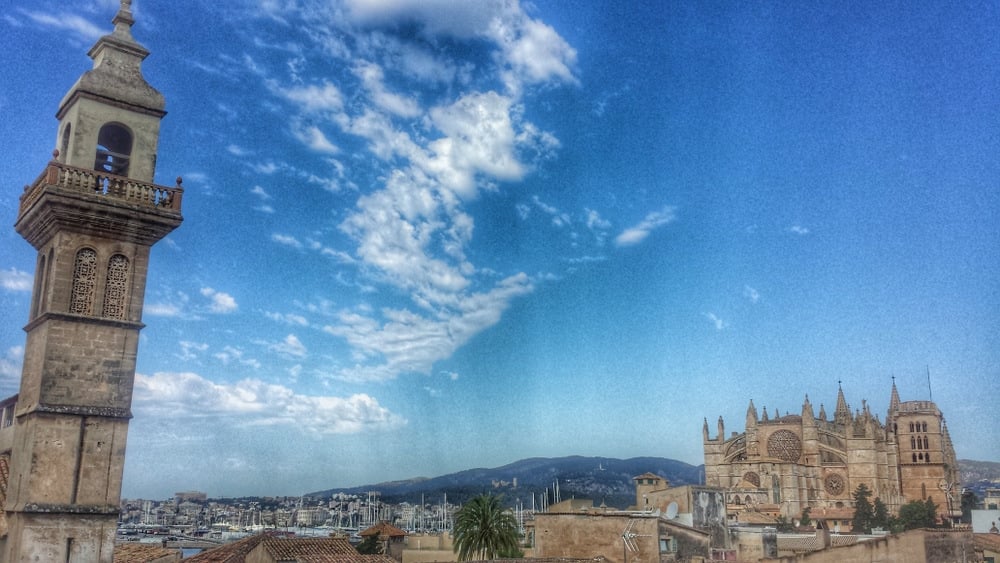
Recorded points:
(842,414)
(722,430)
(893,400)
(704,430)
(751,415)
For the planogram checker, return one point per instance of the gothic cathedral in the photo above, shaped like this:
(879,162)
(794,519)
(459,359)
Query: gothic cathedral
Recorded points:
(93,214)
(802,460)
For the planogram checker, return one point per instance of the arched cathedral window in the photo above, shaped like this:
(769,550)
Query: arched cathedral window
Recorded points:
(84,281)
(116,288)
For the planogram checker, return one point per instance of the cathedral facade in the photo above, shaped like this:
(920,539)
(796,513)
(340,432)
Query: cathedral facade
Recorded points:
(804,460)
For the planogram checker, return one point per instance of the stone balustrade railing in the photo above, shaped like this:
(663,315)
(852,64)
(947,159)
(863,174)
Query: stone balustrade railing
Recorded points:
(95,182)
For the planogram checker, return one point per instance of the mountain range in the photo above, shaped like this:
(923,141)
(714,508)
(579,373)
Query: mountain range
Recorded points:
(602,479)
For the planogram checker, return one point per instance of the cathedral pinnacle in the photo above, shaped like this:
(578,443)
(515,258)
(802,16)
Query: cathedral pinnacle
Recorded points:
(807,411)
(751,414)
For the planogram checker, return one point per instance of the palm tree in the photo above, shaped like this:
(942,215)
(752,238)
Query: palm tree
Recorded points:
(484,530)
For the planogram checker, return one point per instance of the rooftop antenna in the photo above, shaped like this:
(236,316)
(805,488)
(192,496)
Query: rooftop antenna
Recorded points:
(930,395)
(628,539)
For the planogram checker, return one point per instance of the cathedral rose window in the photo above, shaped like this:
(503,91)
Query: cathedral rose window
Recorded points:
(834,484)
(784,445)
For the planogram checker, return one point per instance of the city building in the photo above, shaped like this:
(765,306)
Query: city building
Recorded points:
(577,529)
(785,463)
(391,539)
(93,214)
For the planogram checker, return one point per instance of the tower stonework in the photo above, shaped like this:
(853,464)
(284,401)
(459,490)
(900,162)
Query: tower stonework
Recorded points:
(93,215)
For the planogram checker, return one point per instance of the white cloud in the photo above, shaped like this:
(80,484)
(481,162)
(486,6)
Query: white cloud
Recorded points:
(798,229)
(438,154)
(188,396)
(190,350)
(314,98)
(316,140)
(286,240)
(372,78)
(479,139)
(288,318)
(15,280)
(162,310)
(10,369)
(559,218)
(220,302)
(290,346)
(638,233)
(408,342)
(750,293)
(716,321)
(233,355)
(260,192)
(535,50)
(237,150)
(78,27)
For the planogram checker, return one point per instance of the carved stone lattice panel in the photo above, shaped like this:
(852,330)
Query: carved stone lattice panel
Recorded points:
(784,445)
(84,282)
(752,477)
(834,484)
(116,289)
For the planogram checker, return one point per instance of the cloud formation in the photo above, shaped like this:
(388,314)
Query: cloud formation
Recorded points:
(638,233)
(15,280)
(412,231)
(187,397)
(221,303)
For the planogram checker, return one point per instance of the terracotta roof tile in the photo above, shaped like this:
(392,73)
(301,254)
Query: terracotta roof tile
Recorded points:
(300,550)
(135,552)
(234,552)
(383,529)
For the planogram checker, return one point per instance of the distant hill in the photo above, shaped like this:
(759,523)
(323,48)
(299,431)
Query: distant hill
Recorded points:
(602,479)
(979,475)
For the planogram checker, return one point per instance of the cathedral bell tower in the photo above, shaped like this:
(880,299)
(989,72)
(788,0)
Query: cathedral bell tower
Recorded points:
(93,214)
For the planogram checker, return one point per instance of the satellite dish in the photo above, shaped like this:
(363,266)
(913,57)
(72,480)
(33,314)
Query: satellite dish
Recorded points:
(672,510)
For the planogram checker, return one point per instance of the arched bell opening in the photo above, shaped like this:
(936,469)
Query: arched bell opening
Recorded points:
(114,149)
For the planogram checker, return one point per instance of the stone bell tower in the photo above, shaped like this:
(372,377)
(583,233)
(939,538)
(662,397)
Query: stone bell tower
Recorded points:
(93,214)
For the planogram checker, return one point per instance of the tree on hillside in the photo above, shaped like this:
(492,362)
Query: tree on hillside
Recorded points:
(918,514)
(484,529)
(864,512)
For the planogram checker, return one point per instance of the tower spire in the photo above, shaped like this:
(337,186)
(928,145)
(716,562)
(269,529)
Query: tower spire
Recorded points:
(123,20)
(893,400)
(842,414)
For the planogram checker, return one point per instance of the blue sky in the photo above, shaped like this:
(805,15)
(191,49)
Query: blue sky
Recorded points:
(426,236)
